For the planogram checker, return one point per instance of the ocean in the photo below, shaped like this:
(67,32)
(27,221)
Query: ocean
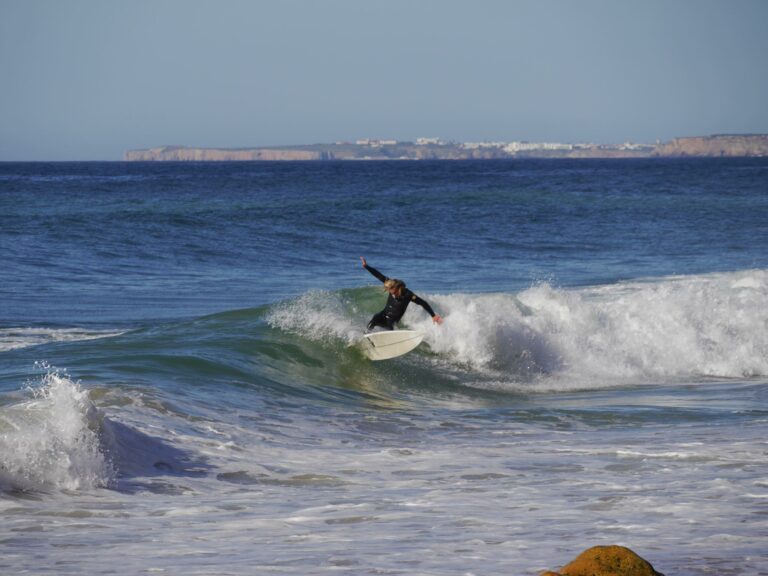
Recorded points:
(181,391)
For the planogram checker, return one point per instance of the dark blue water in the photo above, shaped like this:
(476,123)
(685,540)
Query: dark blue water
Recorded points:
(106,242)
(180,380)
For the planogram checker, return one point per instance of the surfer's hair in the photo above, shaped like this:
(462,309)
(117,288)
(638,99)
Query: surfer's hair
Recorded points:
(391,283)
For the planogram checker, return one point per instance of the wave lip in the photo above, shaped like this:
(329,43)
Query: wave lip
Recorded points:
(53,441)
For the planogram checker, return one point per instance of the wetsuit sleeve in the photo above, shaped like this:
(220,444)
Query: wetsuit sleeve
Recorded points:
(423,304)
(376,273)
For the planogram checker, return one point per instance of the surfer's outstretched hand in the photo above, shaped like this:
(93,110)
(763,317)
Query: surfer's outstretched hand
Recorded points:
(437,319)
(363,261)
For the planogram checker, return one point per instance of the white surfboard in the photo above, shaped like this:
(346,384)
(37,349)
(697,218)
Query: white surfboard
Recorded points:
(390,343)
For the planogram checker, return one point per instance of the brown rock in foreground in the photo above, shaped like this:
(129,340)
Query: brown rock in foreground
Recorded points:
(607,561)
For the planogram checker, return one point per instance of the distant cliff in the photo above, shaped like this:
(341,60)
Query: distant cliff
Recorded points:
(183,154)
(341,151)
(726,145)
(706,146)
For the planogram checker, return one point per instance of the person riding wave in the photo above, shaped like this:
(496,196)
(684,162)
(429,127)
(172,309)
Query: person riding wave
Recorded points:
(397,302)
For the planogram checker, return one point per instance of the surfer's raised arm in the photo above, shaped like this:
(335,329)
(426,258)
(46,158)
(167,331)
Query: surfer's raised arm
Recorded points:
(373,271)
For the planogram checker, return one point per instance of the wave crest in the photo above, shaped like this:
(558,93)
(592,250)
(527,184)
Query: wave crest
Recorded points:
(712,325)
(52,441)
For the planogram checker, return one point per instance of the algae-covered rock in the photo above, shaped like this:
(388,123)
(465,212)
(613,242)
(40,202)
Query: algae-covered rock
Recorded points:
(607,561)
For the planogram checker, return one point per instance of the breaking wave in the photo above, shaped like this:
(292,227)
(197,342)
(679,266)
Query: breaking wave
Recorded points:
(546,337)
(52,441)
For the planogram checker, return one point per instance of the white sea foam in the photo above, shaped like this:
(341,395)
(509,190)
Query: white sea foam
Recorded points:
(13,338)
(712,325)
(52,441)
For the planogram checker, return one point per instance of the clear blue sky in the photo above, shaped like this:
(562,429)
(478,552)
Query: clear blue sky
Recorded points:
(88,79)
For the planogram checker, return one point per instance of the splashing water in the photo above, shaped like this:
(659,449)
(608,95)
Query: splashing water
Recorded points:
(53,440)
(711,325)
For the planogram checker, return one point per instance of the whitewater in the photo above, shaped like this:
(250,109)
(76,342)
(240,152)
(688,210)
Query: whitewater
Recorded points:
(182,391)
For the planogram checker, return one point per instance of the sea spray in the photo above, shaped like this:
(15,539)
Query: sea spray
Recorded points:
(678,327)
(316,315)
(52,441)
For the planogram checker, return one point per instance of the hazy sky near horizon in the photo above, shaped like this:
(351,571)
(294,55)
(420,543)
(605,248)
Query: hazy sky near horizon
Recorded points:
(88,79)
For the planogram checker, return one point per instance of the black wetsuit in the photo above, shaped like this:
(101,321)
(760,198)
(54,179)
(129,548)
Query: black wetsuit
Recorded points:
(396,305)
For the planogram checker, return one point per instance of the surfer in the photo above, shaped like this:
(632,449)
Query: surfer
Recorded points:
(399,298)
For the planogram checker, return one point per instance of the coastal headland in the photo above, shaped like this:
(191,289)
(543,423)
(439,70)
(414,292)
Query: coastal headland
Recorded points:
(747,145)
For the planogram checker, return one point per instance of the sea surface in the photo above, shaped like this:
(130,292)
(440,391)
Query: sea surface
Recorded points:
(181,391)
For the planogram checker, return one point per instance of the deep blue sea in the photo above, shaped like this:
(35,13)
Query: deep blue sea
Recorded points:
(181,390)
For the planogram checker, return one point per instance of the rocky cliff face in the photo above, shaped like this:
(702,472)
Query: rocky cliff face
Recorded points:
(317,152)
(707,146)
(747,145)
(181,154)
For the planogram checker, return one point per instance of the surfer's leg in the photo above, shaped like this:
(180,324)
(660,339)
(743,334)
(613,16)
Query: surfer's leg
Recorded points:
(380,320)
(375,321)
